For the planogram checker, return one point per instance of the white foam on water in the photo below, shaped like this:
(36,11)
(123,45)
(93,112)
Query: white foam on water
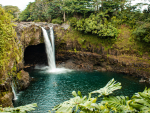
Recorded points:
(58,70)
(46,69)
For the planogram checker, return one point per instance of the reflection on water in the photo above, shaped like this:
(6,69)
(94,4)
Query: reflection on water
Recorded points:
(50,89)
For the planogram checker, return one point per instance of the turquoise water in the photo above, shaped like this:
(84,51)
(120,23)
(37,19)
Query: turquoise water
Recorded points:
(49,89)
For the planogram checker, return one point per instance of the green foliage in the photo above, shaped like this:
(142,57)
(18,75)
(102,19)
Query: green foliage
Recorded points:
(140,102)
(97,24)
(8,45)
(13,10)
(28,13)
(142,33)
(75,6)
(119,104)
(45,10)
(24,16)
(80,25)
(20,109)
(73,21)
(57,21)
(89,104)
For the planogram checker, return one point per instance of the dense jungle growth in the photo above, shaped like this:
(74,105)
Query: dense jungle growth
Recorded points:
(101,18)
(9,51)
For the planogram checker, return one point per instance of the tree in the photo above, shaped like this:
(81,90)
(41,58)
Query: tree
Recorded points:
(14,10)
(26,14)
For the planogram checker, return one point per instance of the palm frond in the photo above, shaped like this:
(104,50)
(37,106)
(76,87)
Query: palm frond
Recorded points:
(109,88)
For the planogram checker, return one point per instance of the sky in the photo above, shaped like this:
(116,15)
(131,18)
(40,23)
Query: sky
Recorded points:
(20,3)
(134,2)
(23,3)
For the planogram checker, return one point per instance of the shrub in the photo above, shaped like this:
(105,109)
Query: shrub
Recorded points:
(73,21)
(80,25)
(142,32)
(57,21)
(97,24)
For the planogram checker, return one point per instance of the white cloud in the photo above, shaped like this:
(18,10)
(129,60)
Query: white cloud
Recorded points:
(20,3)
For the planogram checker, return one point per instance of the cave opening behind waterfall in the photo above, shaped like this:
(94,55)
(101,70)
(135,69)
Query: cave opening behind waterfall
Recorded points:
(35,54)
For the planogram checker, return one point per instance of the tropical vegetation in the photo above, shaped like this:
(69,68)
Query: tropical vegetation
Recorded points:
(101,18)
(20,109)
(105,102)
(8,44)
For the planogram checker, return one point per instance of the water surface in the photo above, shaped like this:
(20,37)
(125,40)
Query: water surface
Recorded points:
(50,89)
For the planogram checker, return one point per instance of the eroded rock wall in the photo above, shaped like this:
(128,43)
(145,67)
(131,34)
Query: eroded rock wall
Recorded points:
(27,34)
(83,55)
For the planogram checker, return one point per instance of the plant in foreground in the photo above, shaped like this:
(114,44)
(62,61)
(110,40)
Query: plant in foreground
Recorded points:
(20,109)
(140,102)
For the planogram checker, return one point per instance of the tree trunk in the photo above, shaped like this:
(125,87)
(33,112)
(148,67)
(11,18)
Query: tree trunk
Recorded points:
(64,16)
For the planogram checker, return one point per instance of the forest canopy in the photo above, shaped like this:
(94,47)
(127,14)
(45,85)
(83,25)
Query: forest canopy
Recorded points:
(101,18)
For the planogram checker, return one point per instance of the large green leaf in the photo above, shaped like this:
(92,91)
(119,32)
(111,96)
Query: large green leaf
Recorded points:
(21,109)
(141,101)
(109,88)
(118,103)
(69,105)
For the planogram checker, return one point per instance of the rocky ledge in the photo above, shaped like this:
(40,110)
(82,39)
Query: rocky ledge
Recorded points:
(88,61)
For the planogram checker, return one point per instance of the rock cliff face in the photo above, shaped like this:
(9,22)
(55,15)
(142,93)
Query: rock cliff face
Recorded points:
(71,52)
(83,55)
(27,34)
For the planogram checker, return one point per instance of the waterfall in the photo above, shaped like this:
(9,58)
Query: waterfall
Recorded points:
(14,92)
(50,48)
(50,51)
(53,45)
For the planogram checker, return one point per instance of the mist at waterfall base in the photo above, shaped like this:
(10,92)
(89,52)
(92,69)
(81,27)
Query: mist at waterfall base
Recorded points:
(51,89)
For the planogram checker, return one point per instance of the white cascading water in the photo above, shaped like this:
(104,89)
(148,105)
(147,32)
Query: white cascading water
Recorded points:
(53,44)
(50,48)
(14,92)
